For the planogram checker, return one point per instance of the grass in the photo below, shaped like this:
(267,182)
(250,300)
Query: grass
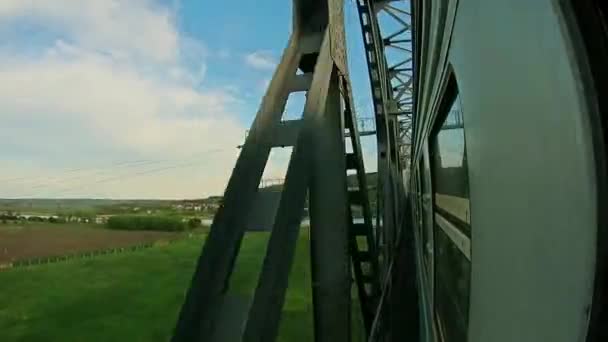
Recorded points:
(134,296)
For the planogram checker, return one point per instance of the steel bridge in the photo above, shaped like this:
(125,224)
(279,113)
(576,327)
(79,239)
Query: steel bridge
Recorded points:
(326,147)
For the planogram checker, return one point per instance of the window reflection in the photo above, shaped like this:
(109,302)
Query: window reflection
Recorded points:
(452,281)
(450,173)
(450,156)
(426,231)
(451,201)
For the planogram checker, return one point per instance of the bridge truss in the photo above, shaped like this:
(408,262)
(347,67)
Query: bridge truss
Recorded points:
(386,26)
(387,35)
(326,148)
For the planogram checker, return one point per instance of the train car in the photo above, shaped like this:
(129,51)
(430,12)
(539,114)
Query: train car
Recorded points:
(508,180)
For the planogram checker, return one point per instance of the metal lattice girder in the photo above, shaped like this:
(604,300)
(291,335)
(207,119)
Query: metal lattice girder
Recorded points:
(397,40)
(317,165)
(387,34)
(377,73)
(364,256)
(386,127)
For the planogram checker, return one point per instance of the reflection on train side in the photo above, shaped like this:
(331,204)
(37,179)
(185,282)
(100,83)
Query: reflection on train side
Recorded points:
(452,226)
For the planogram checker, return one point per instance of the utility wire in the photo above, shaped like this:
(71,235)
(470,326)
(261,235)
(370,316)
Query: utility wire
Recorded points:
(113,178)
(44,181)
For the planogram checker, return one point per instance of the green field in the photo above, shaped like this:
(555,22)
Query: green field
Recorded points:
(134,296)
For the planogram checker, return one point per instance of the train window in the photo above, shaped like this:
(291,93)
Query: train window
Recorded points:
(451,182)
(452,230)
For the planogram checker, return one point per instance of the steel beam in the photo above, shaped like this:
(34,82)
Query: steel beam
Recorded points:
(265,313)
(209,283)
(318,163)
(331,280)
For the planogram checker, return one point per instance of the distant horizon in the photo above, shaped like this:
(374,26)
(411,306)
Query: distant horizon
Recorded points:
(127,198)
(103,199)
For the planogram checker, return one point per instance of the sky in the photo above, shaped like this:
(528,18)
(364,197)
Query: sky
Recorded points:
(141,98)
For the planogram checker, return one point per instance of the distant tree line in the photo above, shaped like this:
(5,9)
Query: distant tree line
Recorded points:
(148,222)
(5,218)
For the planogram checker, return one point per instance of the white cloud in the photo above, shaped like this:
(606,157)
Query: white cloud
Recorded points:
(114,103)
(133,28)
(121,83)
(261,60)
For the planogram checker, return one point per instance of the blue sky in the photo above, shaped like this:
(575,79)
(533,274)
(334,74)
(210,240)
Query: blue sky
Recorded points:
(139,98)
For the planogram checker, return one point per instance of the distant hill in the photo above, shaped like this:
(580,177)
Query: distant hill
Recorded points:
(50,205)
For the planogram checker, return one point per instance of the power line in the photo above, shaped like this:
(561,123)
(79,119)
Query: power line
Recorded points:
(45,181)
(127,175)
(123,177)
(73,170)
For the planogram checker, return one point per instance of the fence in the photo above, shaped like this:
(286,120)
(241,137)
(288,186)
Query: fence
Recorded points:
(87,254)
